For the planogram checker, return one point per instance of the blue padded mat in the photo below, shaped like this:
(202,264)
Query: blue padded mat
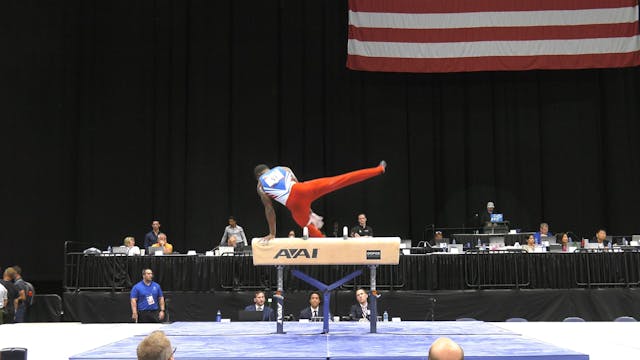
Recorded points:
(405,340)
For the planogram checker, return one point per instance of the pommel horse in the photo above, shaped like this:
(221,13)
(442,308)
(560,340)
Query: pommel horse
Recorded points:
(370,252)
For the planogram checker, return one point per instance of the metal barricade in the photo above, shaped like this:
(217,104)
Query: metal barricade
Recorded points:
(497,269)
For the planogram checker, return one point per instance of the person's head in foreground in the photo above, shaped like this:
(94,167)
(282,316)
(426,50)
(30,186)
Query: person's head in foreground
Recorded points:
(445,349)
(156,346)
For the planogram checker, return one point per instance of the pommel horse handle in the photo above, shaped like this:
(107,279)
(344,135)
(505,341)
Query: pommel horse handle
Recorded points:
(327,251)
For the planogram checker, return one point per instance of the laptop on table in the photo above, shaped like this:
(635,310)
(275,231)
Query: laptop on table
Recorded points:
(244,315)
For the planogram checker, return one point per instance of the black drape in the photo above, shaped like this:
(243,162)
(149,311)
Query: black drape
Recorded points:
(117,112)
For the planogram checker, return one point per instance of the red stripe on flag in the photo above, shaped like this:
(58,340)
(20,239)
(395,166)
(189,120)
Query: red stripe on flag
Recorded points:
(492,63)
(462,6)
(493,34)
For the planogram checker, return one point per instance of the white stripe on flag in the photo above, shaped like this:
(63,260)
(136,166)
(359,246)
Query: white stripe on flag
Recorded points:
(494,48)
(494,19)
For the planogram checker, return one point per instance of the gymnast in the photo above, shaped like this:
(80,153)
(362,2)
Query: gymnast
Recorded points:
(281,185)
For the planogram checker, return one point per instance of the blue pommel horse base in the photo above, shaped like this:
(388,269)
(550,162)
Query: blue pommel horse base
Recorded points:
(370,252)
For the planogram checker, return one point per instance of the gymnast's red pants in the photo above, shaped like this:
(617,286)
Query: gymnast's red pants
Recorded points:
(304,193)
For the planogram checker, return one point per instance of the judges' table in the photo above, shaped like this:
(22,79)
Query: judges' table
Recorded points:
(437,271)
(505,238)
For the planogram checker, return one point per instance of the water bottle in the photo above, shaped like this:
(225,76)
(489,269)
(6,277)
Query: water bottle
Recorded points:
(454,241)
(385,316)
(345,233)
(624,241)
(218,316)
(109,249)
(479,243)
(610,244)
(305,233)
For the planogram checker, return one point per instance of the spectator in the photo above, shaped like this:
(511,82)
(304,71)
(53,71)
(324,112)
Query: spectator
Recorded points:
(147,300)
(25,293)
(162,243)
(258,305)
(445,349)
(12,295)
(152,236)
(542,233)
(234,229)
(531,244)
(313,310)
(362,230)
(130,244)
(3,302)
(156,346)
(360,311)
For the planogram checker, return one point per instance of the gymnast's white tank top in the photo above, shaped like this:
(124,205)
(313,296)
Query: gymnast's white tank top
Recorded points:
(277,184)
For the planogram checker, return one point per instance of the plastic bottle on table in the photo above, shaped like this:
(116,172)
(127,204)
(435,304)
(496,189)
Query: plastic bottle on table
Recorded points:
(385,316)
(218,316)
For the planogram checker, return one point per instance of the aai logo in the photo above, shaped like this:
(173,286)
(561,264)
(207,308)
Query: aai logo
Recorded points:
(296,253)
(374,254)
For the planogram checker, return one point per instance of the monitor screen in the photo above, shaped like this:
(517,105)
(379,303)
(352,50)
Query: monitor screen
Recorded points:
(496,218)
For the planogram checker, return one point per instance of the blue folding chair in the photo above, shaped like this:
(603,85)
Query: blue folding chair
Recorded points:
(573,319)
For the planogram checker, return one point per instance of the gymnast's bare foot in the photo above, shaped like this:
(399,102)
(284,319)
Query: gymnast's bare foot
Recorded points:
(384,165)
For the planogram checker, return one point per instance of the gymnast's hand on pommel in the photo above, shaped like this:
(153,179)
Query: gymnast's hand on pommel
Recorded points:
(268,237)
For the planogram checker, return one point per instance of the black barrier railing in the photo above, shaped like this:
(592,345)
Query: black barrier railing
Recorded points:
(435,271)
(607,267)
(482,266)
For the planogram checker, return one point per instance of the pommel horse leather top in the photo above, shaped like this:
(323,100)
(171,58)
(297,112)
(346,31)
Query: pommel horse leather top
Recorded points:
(327,251)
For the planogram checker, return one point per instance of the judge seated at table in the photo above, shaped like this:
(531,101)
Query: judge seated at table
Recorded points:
(259,305)
(361,310)
(601,238)
(531,244)
(314,310)
(543,233)
(162,243)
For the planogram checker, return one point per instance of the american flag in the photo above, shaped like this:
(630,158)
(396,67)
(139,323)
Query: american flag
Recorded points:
(479,35)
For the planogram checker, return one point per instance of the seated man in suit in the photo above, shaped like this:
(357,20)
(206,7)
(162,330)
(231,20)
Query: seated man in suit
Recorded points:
(360,311)
(313,311)
(267,312)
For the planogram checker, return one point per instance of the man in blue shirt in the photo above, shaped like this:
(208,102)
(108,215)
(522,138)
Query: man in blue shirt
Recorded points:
(544,232)
(147,301)
(151,237)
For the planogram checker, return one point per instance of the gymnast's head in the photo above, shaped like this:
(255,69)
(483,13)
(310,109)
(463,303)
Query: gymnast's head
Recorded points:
(445,349)
(259,170)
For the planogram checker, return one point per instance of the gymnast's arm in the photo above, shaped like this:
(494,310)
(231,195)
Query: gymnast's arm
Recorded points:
(269,213)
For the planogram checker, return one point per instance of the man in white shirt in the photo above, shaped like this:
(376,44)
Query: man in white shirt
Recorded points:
(3,301)
(233,229)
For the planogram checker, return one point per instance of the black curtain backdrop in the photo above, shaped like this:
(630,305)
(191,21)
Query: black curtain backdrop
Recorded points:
(115,113)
